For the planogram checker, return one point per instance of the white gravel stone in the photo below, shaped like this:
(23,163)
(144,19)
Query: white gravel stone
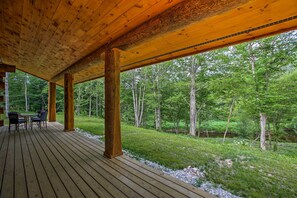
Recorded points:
(189,174)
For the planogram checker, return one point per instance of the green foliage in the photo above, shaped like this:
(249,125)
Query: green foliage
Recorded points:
(218,126)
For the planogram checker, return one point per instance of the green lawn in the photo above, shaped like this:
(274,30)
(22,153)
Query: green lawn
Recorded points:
(253,174)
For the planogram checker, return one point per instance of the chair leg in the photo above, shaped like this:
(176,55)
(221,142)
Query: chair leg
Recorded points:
(9,128)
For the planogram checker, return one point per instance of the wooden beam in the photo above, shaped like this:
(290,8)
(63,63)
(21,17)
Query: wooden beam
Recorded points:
(113,143)
(1,98)
(1,110)
(177,17)
(68,102)
(7,68)
(180,15)
(52,102)
(93,58)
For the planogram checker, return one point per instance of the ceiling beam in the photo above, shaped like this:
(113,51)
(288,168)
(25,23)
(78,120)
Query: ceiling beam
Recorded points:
(178,16)
(6,68)
(94,58)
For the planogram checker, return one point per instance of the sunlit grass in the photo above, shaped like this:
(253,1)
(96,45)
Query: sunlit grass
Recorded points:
(254,173)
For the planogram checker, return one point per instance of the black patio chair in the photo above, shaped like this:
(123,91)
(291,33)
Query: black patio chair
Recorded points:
(14,118)
(41,119)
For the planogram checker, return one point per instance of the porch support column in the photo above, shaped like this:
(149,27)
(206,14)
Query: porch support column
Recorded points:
(113,143)
(2,94)
(68,102)
(51,102)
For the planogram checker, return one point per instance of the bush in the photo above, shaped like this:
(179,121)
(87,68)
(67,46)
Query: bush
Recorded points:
(218,126)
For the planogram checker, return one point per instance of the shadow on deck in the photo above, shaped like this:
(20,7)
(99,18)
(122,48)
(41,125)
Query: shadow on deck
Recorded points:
(53,163)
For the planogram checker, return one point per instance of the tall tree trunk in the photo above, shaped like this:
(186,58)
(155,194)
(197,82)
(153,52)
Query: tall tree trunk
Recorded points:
(26,94)
(158,118)
(229,117)
(193,113)
(142,107)
(90,106)
(135,106)
(97,105)
(138,93)
(263,119)
(6,94)
(78,101)
(157,96)
(269,134)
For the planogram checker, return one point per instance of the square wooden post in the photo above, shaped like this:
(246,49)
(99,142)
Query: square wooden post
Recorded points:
(68,102)
(51,102)
(2,91)
(113,143)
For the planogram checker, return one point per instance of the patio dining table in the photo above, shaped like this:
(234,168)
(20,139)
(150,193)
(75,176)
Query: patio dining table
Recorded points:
(27,117)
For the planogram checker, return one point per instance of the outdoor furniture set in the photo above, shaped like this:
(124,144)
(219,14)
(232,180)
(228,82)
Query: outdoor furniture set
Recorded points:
(27,119)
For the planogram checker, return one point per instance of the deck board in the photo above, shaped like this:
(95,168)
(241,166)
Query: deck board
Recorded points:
(53,163)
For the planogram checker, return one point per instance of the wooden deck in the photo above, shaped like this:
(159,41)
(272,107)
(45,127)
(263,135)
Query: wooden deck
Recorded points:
(53,163)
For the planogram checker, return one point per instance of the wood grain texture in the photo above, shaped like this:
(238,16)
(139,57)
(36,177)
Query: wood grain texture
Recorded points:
(50,38)
(113,143)
(68,102)
(52,102)
(52,163)
(7,68)
(179,16)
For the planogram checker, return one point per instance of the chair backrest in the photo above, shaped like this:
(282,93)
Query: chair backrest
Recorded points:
(13,117)
(39,113)
(43,115)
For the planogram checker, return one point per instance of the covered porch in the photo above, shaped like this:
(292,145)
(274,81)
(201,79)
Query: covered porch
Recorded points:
(52,163)
(70,42)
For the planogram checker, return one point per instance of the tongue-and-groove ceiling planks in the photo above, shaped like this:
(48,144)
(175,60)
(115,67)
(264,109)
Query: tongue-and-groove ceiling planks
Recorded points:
(48,38)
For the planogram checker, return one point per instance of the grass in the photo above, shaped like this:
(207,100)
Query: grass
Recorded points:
(253,174)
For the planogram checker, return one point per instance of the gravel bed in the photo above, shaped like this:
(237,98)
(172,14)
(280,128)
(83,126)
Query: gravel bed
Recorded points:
(191,175)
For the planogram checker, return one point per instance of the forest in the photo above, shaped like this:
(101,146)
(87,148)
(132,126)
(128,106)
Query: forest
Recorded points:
(247,90)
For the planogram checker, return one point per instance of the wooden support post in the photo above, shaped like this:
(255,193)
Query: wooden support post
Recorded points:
(2,93)
(7,68)
(68,102)
(51,102)
(113,143)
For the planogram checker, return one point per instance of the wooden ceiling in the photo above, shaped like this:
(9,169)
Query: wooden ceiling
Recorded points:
(50,38)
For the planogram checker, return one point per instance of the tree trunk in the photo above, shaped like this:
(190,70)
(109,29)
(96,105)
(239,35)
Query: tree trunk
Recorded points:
(229,117)
(26,94)
(97,105)
(142,107)
(135,105)
(90,106)
(158,118)
(138,93)
(6,94)
(263,119)
(269,135)
(157,96)
(193,113)
(78,101)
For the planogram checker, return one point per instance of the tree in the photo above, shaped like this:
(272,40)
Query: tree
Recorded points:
(135,80)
